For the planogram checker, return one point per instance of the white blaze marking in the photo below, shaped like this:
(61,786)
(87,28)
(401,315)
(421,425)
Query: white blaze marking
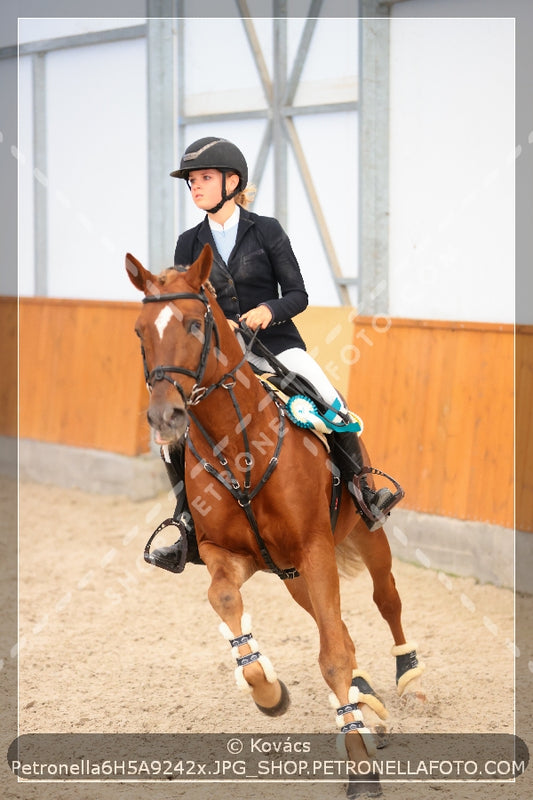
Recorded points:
(163,318)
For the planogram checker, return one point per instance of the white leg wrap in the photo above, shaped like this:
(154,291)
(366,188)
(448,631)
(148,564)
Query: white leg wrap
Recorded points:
(360,728)
(266,664)
(407,677)
(371,700)
(268,669)
(403,649)
(242,683)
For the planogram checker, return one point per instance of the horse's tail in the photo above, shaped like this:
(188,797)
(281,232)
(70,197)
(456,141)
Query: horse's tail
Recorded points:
(349,561)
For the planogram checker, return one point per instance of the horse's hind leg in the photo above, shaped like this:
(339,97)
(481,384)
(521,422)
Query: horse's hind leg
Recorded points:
(376,554)
(254,672)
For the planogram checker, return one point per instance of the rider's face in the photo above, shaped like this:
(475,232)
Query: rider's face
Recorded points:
(206,187)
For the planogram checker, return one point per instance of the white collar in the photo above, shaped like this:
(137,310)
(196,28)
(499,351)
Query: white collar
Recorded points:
(230,222)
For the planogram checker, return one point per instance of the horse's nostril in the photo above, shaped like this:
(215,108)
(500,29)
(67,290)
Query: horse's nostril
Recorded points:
(165,417)
(173,414)
(178,415)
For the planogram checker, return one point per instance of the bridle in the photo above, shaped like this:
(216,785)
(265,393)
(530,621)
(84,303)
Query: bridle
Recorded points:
(164,372)
(243,494)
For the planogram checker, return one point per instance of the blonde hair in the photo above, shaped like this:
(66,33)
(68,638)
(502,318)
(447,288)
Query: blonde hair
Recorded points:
(247,196)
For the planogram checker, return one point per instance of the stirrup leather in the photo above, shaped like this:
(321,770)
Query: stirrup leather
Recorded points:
(157,558)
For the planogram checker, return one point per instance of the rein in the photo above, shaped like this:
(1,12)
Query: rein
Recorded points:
(245,494)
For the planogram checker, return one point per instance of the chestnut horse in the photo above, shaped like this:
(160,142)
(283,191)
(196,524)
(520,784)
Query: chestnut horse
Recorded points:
(259,491)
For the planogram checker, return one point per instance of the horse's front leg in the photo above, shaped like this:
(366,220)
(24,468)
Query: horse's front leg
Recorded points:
(337,662)
(254,672)
(373,711)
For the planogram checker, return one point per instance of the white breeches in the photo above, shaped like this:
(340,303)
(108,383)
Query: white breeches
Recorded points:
(299,361)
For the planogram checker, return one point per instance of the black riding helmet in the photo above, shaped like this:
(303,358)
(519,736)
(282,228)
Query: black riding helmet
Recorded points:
(212,152)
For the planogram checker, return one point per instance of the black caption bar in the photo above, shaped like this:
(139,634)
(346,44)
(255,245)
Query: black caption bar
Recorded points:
(263,757)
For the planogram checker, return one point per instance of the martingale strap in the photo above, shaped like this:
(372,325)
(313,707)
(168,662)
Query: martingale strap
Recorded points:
(243,495)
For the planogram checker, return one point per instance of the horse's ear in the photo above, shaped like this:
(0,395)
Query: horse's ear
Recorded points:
(199,271)
(138,275)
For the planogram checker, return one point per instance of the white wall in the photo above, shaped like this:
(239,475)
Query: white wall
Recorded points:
(97,147)
(26,181)
(96,165)
(452,165)
(451,158)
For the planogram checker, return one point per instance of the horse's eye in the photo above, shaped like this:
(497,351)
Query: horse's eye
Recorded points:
(194,327)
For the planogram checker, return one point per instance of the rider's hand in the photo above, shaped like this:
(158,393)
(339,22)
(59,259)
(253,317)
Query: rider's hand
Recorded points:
(233,325)
(259,317)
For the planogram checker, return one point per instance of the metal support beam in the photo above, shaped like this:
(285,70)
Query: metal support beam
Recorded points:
(181,190)
(279,114)
(262,156)
(75,40)
(374,159)
(279,83)
(161,98)
(316,208)
(40,172)
(303,49)
(255,47)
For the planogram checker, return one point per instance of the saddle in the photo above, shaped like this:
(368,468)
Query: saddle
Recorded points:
(304,404)
(301,409)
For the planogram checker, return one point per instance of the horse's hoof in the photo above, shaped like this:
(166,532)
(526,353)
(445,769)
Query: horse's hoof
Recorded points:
(413,695)
(363,786)
(413,701)
(382,736)
(281,706)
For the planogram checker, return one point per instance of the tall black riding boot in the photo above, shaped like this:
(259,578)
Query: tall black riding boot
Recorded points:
(374,506)
(173,557)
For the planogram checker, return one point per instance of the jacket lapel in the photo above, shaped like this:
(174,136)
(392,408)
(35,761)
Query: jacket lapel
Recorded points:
(206,237)
(245,223)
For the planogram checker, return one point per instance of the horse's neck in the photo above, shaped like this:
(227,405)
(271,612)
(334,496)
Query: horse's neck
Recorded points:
(245,403)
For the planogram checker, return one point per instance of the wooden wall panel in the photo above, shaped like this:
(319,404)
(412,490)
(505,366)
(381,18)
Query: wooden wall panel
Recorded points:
(81,380)
(8,366)
(436,397)
(524,428)
(438,406)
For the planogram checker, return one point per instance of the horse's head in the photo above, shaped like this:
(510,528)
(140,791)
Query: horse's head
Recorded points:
(175,328)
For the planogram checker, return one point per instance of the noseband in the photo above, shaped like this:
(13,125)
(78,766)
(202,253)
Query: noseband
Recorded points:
(161,372)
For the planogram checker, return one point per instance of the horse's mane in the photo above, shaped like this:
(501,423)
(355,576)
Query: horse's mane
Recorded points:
(166,276)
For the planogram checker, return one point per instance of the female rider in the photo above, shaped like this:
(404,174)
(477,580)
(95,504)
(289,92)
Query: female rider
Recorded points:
(258,281)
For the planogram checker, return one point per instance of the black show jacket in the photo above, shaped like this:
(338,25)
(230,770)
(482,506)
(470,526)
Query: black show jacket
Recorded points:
(261,268)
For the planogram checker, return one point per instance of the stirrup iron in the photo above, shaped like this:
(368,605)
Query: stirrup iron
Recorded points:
(157,559)
(375,517)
